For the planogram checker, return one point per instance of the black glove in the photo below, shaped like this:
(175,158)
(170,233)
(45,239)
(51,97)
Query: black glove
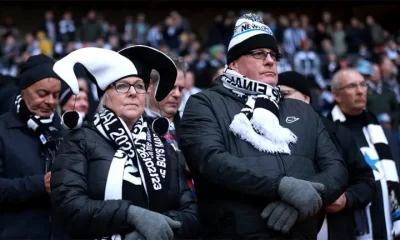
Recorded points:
(281,216)
(301,194)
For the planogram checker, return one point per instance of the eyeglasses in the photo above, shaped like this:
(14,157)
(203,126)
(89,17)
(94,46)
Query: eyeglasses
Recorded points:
(263,55)
(125,87)
(353,86)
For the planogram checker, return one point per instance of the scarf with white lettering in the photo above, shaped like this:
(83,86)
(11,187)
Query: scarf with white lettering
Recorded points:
(258,122)
(140,159)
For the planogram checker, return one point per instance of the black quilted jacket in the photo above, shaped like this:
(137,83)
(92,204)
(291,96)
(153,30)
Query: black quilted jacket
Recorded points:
(78,182)
(235,182)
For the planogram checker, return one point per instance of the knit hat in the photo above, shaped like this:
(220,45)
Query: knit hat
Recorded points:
(66,92)
(250,33)
(36,68)
(296,81)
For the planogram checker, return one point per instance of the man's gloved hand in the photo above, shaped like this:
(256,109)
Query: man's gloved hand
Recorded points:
(152,225)
(301,194)
(135,235)
(281,216)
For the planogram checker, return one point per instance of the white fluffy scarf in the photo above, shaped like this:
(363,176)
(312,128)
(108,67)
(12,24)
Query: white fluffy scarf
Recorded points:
(258,122)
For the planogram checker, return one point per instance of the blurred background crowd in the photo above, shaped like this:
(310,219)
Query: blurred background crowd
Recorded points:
(316,47)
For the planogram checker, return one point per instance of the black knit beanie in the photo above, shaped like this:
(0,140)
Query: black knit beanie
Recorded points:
(36,68)
(296,81)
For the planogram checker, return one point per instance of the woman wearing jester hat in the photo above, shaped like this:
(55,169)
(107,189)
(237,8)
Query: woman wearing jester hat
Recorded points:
(114,178)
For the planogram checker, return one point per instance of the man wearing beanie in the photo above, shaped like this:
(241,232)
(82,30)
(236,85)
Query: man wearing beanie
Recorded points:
(29,136)
(263,168)
(344,218)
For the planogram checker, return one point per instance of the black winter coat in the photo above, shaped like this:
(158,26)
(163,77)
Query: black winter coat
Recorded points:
(361,189)
(78,182)
(25,207)
(235,182)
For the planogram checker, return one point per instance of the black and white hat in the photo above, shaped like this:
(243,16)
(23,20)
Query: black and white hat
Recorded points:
(250,33)
(145,59)
(105,67)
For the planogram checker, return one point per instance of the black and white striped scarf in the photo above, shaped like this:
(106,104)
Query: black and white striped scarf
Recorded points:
(49,136)
(258,122)
(141,159)
(379,147)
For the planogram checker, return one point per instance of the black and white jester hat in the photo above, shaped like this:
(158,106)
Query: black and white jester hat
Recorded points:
(105,67)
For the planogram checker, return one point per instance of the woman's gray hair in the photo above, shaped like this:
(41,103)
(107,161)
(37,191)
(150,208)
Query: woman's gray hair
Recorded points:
(100,107)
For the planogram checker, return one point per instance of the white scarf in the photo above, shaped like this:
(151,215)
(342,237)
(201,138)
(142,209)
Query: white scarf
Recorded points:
(258,122)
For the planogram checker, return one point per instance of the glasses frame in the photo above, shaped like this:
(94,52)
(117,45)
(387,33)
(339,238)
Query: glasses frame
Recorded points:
(353,86)
(144,91)
(278,56)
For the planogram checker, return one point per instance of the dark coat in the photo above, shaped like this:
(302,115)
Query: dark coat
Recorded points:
(235,182)
(361,189)
(78,182)
(25,208)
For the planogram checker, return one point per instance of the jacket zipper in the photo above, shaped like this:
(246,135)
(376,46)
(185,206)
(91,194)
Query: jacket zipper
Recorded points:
(282,163)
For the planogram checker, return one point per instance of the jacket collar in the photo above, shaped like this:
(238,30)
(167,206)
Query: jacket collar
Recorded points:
(13,120)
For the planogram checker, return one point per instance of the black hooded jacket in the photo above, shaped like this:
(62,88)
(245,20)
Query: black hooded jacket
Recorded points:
(235,182)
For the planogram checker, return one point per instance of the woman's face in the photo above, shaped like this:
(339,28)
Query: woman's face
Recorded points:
(123,98)
(79,103)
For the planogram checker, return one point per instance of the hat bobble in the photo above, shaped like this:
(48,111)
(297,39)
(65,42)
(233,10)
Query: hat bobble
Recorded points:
(160,126)
(72,120)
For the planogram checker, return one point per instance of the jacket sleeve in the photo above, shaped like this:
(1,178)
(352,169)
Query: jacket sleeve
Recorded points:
(17,191)
(81,216)
(187,213)
(361,188)
(203,145)
(332,171)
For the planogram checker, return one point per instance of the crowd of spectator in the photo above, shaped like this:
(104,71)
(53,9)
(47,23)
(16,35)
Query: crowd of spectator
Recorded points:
(316,49)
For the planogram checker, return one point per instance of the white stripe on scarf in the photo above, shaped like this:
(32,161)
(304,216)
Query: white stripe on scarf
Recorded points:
(374,134)
(114,183)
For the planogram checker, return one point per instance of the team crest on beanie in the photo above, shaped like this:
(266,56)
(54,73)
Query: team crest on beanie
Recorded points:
(250,33)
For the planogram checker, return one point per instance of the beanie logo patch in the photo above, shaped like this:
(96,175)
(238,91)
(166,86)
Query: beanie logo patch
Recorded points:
(244,26)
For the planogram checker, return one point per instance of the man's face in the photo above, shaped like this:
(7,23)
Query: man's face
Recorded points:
(259,64)
(352,93)
(377,73)
(41,98)
(169,106)
(387,68)
(189,80)
(289,92)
